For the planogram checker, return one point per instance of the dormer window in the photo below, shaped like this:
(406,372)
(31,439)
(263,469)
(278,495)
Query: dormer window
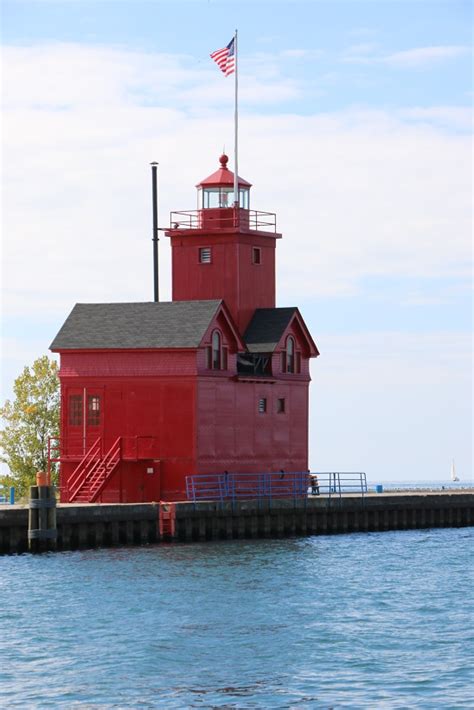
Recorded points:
(290,355)
(216,350)
(217,353)
(290,358)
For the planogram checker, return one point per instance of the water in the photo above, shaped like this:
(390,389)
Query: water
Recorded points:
(379,620)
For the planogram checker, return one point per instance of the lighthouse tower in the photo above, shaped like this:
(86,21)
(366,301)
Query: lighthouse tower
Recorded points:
(224,251)
(215,380)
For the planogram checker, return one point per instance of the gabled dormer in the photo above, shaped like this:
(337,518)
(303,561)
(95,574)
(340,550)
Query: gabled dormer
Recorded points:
(278,343)
(217,355)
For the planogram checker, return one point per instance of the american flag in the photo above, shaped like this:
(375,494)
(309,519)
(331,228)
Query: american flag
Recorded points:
(225,58)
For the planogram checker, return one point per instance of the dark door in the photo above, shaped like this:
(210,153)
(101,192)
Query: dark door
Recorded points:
(151,481)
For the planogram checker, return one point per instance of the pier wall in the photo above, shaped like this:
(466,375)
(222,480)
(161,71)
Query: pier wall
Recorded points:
(87,526)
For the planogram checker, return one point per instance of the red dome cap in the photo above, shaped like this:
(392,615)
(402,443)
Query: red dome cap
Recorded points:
(222,176)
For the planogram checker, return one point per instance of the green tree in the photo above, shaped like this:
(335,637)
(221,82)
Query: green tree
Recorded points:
(30,420)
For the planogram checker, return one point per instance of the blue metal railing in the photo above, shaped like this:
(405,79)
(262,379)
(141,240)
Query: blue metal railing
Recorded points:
(337,483)
(246,486)
(7,494)
(224,487)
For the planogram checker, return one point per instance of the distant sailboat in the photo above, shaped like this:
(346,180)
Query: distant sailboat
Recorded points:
(453,472)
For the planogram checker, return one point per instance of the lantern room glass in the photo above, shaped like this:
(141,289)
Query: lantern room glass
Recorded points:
(211,197)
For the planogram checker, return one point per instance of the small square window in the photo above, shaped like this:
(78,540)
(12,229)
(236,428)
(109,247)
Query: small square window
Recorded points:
(262,405)
(256,255)
(281,405)
(205,255)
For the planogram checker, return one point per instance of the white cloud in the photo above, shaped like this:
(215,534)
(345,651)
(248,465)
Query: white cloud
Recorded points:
(451,117)
(302,53)
(417,57)
(361,53)
(16,353)
(421,56)
(378,396)
(64,77)
(356,193)
(363,32)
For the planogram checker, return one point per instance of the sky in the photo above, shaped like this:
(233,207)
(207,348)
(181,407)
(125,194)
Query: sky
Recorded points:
(355,128)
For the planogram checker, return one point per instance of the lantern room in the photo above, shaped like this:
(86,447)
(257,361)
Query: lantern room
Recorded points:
(217,190)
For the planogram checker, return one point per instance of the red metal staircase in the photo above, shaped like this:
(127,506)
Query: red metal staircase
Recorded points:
(92,473)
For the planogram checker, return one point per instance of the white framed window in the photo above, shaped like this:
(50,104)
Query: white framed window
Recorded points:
(262,405)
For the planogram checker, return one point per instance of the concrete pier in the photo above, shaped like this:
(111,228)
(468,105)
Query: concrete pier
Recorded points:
(93,525)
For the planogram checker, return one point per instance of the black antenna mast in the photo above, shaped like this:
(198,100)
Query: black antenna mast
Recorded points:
(154,191)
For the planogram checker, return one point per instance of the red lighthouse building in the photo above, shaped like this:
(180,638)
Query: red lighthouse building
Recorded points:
(215,380)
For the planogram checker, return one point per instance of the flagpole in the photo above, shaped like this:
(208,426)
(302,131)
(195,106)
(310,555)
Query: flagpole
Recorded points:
(236,127)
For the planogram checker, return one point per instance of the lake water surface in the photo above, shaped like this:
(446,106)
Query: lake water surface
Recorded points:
(377,620)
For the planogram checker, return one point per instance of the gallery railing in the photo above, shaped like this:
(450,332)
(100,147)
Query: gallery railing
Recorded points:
(223,218)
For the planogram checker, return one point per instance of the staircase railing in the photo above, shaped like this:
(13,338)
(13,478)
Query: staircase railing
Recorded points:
(84,469)
(54,451)
(103,472)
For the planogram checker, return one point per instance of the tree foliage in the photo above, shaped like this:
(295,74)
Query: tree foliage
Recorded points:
(30,419)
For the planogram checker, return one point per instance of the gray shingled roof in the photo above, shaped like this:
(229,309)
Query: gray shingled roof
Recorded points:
(266,328)
(177,324)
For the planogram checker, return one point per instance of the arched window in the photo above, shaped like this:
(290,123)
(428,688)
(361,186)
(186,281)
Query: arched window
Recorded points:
(216,350)
(290,354)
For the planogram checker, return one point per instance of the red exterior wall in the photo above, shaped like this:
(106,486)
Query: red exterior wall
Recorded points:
(231,275)
(232,435)
(177,417)
(130,483)
(146,402)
